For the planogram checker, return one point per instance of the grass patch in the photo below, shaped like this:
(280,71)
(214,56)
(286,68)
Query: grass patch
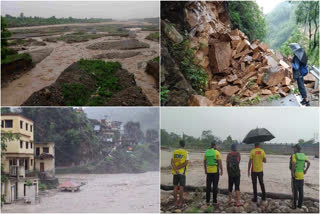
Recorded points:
(75,37)
(106,84)
(15,57)
(156,59)
(193,72)
(154,36)
(194,210)
(164,93)
(274,97)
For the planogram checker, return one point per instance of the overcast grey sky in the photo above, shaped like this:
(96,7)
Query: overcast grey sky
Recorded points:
(83,9)
(268,5)
(147,116)
(288,125)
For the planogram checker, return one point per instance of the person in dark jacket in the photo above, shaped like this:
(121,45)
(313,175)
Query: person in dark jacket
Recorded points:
(296,64)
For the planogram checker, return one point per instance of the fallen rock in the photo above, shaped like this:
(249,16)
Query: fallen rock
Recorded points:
(198,100)
(212,94)
(266,92)
(222,83)
(171,32)
(219,55)
(286,81)
(272,77)
(232,78)
(230,90)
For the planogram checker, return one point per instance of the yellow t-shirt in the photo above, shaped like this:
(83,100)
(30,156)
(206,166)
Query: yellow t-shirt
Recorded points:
(257,155)
(179,157)
(298,175)
(214,169)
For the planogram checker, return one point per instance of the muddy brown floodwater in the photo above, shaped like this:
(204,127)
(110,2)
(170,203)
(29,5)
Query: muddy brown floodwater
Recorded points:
(102,193)
(276,173)
(48,70)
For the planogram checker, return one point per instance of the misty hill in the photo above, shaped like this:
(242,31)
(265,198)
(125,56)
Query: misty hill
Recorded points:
(280,24)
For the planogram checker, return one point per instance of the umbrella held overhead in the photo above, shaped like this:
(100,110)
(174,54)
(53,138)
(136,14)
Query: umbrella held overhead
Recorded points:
(258,135)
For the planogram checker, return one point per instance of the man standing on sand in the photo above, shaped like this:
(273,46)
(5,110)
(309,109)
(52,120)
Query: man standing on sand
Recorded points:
(179,163)
(233,162)
(255,165)
(212,159)
(297,172)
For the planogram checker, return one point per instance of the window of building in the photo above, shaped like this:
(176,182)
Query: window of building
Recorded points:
(2,123)
(21,124)
(31,145)
(27,145)
(46,149)
(27,126)
(8,123)
(31,163)
(37,151)
(31,128)
(10,162)
(21,144)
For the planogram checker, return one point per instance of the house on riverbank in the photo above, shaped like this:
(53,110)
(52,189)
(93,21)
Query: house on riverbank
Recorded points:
(18,160)
(44,158)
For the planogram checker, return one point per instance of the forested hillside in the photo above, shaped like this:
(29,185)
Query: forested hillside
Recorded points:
(23,21)
(295,22)
(71,132)
(280,23)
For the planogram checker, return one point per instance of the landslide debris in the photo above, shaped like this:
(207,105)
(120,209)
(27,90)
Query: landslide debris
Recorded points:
(91,83)
(239,71)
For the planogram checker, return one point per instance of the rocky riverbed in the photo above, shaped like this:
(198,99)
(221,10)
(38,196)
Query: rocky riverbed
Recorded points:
(195,202)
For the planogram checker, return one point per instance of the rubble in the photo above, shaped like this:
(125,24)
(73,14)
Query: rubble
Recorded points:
(244,69)
(236,67)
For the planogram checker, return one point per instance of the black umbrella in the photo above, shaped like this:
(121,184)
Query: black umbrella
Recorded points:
(258,135)
(299,52)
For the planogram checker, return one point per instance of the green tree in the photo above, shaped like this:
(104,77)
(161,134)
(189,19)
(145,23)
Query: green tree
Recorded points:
(5,34)
(247,16)
(307,13)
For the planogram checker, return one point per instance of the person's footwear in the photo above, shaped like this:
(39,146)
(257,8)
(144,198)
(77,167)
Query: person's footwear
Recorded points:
(238,199)
(254,200)
(303,102)
(308,103)
(230,198)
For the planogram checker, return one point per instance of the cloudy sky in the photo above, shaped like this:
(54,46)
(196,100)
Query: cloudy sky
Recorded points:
(147,116)
(268,5)
(83,9)
(288,125)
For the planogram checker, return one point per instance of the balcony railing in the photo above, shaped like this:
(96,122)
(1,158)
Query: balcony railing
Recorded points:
(17,171)
(13,171)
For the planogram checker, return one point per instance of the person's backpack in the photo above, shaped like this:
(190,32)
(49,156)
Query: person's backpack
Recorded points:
(211,157)
(301,159)
(234,169)
(303,70)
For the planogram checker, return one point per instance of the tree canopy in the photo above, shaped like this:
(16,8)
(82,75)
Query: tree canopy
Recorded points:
(247,16)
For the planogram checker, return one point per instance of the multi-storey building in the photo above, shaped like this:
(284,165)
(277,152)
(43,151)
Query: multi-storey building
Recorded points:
(18,160)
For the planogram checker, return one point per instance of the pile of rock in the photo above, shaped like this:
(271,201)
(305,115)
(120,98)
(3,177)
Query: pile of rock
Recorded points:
(243,70)
(195,202)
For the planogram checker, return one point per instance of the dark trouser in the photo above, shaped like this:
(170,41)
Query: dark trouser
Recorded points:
(302,88)
(236,181)
(212,178)
(254,176)
(298,187)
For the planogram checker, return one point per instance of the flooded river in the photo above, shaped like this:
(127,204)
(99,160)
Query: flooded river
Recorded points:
(102,193)
(63,55)
(276,173)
